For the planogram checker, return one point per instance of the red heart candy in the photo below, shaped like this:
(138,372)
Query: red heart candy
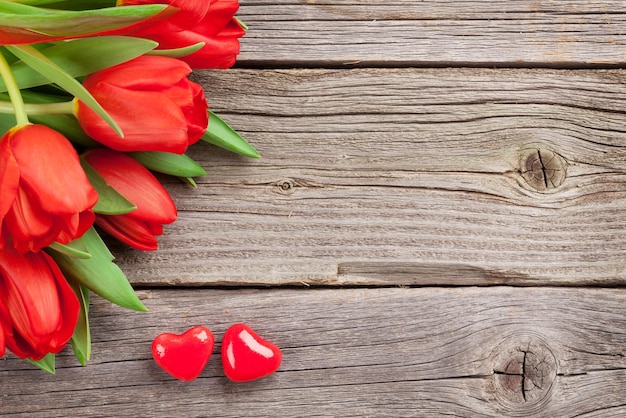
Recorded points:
(246,356)
(184,356)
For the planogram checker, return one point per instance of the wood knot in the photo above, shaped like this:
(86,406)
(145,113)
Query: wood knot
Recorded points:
(525,372)
(542,169)
(285,186)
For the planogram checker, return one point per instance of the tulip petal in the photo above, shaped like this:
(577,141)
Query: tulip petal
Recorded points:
(75,226)
(48,163)
(110,202)
(70,308)
(5,327)
(144,129)
(219,51)
(34,304)
(190,13)
(147,72)
(30,295)
(42,307)
(190,98)
(135,183)
(133,232)
(2,343)
(9,176)
(30,226)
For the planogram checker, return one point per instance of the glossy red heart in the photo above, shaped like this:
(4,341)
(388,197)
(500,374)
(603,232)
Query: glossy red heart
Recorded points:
(246,356)
(184,355)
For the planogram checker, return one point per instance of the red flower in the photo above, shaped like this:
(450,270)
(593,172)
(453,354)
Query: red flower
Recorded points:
(218,29)
(133,181)
(151,99)
(189,13)
(46,196)
(38,308)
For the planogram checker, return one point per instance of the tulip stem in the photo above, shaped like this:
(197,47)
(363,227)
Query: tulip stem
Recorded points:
(13,89)
(59,108)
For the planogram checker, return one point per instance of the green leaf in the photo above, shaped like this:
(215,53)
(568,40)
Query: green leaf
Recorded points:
(110,202)
(38,62)
(178,52)
(46,364)
(169,163)
(81,57)
(190,181)
(243,25)
(22,23)
(7,121)
(220,134)
(65,124)
(70,250)
(99,274)
(81,340)
(67,4)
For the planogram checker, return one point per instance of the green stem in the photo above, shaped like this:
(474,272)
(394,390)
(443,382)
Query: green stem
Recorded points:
(14,92)
(60,108)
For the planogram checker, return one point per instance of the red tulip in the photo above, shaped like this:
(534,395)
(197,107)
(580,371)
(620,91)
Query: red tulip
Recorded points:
(4,323)
(190,12)
(218,29)
(38,308)
(46,196)
(133,181)
(151,99)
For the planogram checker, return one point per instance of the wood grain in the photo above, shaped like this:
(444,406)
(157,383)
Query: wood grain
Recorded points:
(404,177)
(354,352)
(571,33)
(394,179)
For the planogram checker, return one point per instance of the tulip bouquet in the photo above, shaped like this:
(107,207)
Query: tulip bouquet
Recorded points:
(94,98)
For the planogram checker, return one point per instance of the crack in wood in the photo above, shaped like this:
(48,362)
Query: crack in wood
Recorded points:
(543,169)
(525,372)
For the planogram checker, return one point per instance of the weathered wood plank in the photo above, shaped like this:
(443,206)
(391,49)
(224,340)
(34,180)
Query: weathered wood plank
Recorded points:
(434,32)
(405,177)
(496,351)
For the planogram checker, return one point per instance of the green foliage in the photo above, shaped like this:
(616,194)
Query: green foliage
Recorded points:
(99,273)
(18,18)
(219,133)
(169,163)
(40,63)
(81,57)
(110,202)
(46,364)
(81,340)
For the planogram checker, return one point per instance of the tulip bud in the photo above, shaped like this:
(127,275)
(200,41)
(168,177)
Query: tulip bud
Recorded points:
(153,102)
(46,196)
(216,27)
(132,180)
(38,308)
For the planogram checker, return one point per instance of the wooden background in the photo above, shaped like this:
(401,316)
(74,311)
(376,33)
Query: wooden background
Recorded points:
(437,225)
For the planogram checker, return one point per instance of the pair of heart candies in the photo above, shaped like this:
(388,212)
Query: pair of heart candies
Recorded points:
(245,355)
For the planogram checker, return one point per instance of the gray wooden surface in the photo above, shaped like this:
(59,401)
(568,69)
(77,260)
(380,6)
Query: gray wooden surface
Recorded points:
(488,351)
(424,234)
